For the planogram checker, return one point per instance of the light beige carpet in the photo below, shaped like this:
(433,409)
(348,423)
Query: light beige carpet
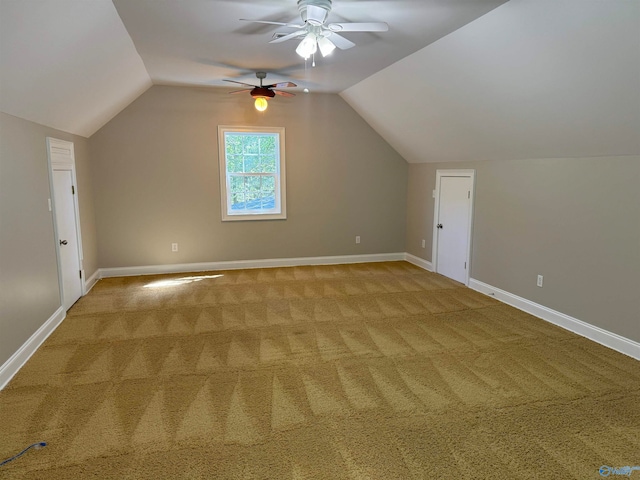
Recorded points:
(369,371)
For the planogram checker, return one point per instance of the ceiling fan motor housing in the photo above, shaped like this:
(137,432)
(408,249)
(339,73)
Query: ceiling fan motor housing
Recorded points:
(262,92)
(316,19)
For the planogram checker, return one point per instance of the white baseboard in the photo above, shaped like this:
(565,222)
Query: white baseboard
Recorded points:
(597,334)
(18,359)
(91,281)
(420,262)
(240,264)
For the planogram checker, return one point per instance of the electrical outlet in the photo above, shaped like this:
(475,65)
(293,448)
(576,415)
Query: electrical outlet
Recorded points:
(539,282)
(174,247)
(357,238)
(424,243)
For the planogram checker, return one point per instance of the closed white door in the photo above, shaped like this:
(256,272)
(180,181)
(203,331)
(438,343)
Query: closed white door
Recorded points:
(453,222)
(65,215)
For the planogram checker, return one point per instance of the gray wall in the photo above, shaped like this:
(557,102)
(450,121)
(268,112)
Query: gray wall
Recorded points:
(156,178)
(575,221)
(28,269)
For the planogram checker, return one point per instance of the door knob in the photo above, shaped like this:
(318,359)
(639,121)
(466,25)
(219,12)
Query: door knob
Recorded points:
(63,242)
(439,225)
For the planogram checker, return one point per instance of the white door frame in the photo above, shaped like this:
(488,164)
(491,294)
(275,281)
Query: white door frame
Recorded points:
(61,156)
(453,173)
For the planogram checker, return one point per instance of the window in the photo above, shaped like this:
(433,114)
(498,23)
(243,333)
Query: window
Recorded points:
(252,177)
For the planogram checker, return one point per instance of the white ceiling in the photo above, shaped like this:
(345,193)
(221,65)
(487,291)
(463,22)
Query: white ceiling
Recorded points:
(201,42)
(531,79)
(67,64)
(451,80)
(74,64)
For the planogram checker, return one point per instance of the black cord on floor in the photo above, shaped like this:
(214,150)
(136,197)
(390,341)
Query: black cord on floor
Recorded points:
(35,445)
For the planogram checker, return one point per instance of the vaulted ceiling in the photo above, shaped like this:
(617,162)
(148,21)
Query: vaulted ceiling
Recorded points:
(67,64)
(531,79)
(450,80)
(74,64)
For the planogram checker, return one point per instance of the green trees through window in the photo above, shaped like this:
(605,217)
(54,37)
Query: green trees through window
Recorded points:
(253,168)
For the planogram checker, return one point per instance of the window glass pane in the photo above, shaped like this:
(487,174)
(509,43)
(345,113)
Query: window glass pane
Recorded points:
(233,144)
(268,144)
(252,186)
(252,164)
(237,201)
(251,144)
(268,200)
(254,182)
(268,184)
(269,164)
(234,163)
(268,192)
(237,184)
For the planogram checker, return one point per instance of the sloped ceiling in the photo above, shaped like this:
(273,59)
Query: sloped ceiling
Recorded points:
(67,64)
(472,79)
(531,79)
(202,42)
(74,64)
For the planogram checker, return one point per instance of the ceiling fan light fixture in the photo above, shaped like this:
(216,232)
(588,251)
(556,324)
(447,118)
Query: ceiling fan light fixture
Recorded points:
(261,104)
(326,46)
(308,46)
(261,93)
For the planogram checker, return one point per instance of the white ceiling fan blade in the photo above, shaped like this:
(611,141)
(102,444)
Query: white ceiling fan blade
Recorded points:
(288,37)
(289,25)
(359,27)
(341,42)
(281,85)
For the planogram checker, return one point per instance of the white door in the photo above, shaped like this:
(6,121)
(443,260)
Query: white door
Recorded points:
(66,220)
(453,225)
(65,215)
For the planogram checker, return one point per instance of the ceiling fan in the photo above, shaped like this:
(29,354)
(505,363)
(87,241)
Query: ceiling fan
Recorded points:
(262,92)
(316,33)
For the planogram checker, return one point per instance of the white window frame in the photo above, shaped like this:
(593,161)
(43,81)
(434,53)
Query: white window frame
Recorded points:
(280,177)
